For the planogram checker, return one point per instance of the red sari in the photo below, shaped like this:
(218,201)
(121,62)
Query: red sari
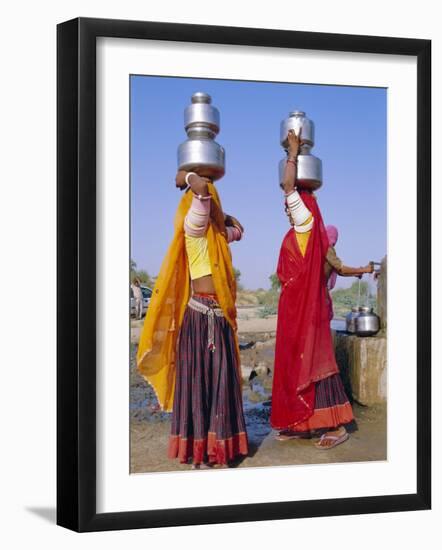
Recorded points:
(304,351)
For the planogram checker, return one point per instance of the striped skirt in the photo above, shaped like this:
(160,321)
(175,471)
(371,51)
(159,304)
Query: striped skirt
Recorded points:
(332,407)
(207,419)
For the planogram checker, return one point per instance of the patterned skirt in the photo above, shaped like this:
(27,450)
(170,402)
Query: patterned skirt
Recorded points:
(332,407)
(207,419)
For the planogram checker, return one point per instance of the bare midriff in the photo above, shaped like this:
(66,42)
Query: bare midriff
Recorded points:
(203,285)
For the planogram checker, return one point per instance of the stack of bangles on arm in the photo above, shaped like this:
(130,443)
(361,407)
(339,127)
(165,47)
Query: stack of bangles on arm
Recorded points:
(234,233)
(299,212)
(197,219)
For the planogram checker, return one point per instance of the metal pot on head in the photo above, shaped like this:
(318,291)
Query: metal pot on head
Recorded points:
(200,153)
(309,171)
(298,121)
(308,174)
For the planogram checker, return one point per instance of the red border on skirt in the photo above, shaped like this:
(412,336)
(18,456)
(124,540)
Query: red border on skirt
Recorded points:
(329,417)
(210,449)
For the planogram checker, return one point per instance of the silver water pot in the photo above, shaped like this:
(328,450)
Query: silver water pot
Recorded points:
(297,120)
(200,152)
(350,319)
(309,170)
(367,322)
(308,173)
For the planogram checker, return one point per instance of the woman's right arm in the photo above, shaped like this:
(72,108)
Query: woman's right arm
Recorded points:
(289,177)
(197,218)
(347,271)
(299,213)
(344,270)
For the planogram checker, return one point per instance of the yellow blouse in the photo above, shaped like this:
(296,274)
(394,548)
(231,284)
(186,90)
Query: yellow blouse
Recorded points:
(198,256)
(303,238)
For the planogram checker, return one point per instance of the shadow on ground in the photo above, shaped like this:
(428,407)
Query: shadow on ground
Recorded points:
(150,427)
(46,513)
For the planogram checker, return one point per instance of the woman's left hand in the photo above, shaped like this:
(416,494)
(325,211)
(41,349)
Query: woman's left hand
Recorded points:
(230,221)
(180,179)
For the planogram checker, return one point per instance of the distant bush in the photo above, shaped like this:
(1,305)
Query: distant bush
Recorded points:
(267,311)
(268,298)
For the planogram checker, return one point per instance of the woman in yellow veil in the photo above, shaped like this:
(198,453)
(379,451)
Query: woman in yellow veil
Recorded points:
(188,349)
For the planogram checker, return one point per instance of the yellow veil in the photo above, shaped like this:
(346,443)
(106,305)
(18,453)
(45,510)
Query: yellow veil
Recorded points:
(157,345)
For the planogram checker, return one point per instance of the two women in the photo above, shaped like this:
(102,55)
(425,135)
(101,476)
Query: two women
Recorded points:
(188,349)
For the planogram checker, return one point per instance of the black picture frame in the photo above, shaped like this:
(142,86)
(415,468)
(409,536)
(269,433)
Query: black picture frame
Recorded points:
(76,273)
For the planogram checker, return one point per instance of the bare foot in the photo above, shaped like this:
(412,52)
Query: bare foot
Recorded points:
(286,435)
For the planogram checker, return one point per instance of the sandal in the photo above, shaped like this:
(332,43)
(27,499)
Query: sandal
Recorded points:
(336,439)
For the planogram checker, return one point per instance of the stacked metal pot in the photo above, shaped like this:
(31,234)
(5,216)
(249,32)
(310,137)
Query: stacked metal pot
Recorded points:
(200,153)
(309,171)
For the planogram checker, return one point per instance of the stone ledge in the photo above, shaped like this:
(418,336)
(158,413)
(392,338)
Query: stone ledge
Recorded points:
(363,365)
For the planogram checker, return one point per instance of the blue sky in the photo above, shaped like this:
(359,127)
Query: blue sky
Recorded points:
(351,135)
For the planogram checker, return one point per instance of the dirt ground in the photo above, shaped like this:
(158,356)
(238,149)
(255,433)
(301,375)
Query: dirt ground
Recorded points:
(150,427)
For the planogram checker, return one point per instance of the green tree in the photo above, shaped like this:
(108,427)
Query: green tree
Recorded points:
(275,283)
(144,277)
(141,274)
(237,274)
(269,298)
(345,298)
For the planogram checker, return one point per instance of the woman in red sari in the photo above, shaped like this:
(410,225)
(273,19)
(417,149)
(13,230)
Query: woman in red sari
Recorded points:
(308,397)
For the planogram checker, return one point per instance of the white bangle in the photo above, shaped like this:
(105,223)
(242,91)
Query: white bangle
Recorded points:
(290,192)
(299,212)
(202,198)
(304,228)
(186,179)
